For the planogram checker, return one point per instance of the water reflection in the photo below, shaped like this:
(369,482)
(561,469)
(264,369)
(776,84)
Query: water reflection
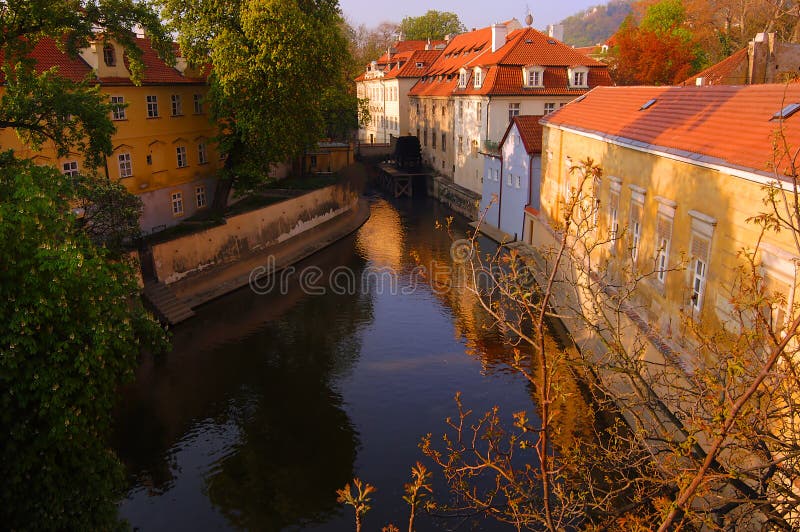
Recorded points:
(270,403)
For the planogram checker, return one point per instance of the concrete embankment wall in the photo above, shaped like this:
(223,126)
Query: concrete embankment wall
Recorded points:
(246,234)
(464,201)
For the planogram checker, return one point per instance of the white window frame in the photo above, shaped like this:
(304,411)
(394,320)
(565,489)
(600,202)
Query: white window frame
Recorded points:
(513,110)
(534,76)
(579,77)
(636,207)
(117,108)
(202,153)
(200,196)
(125,165)
(177,104)
(152,105)
(665,215)
(180,155)
(549,107)
(176,199)
(477,78)
(462,79)
(702,229)
(70,168)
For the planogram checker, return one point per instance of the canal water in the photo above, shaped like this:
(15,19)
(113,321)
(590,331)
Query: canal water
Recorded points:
(271,401)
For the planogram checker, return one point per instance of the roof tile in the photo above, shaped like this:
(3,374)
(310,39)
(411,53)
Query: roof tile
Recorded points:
(730,125)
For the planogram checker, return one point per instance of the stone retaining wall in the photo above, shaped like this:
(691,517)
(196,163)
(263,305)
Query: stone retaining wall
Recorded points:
(246,234)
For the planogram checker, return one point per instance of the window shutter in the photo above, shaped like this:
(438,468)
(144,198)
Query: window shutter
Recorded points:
(663,229)
(700,247)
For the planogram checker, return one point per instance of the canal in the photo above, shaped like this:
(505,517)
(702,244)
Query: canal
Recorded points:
(271,401)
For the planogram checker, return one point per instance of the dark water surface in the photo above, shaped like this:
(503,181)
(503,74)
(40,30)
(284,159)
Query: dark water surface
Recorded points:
(269,403)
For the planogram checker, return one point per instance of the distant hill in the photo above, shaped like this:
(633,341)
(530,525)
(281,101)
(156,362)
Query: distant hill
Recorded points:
(596,24)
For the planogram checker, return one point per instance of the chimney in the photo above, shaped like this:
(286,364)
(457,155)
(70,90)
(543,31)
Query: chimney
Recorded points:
(556,31)
(757,52)
(499,32)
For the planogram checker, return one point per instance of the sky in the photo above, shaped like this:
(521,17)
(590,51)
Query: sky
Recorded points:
(473,13)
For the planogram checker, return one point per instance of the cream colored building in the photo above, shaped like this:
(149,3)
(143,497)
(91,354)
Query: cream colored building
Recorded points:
(385,85)
(484,78)
(684,169)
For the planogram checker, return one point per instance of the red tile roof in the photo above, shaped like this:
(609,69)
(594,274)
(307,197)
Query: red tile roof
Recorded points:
(405,64)
(724,125)
(503,68)
(156,71)
(47,55)
(730,71)
(530,131)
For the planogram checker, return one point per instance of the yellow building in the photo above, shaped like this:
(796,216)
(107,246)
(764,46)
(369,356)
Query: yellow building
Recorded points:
(162,149)
(684,168)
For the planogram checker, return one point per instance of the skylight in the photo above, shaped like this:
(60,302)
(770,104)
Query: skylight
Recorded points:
(787,111)
(647,104)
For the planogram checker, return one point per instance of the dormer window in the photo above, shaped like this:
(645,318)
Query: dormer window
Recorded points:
(462,79)
(579,77)
(109,56)
(533,76)
(419,64)
(478,78)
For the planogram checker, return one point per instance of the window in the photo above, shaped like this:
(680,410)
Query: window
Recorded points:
(177,105)
(513,110)
(202,155)
(549,107)
(444,110)
(613,218)
(462,79)
(636,229)
(152,106)
(109,56)
(509,179)
(473,146)
(425,137)
(433,139)
(479,112)
(444,142)
(517,181)
(200,196)
(664,221)
(578,77)
(779,272)
(181,153)
(70,168)
(460,144)
(117,108)
(198,104)
(125,167)
(478,78)
(460,110)
(534,77)
(702,231)
(177,203)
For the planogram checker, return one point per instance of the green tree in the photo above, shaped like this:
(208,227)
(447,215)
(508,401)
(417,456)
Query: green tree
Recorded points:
(432,25)
(72,321)
(72,329)
(276,64)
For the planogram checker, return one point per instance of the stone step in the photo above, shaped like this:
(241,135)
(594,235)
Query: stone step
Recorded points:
(168,307)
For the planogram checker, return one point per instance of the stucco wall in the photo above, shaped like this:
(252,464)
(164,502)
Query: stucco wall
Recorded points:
(251,232)
(727,199)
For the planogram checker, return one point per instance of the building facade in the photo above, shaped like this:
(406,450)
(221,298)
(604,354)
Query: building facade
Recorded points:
(162,148)
(676,193)
(385,86)
(488,77)
(511,177)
